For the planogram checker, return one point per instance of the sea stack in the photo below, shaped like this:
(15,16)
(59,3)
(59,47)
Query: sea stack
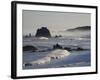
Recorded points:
(43,32)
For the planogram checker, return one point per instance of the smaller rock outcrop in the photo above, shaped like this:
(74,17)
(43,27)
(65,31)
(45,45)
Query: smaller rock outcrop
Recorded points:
(29,48)
(57,46)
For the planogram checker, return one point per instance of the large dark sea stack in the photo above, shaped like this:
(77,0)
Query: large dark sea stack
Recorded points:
(43,32)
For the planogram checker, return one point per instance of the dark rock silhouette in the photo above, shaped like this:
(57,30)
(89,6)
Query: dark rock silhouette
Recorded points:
(75,49)
(27,64)
(28,35)
(67,48)
(79,49)
(29,48)
(43,32)
(57,36)
(57,46)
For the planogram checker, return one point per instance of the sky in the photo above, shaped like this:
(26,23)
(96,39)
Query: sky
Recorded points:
(56,22)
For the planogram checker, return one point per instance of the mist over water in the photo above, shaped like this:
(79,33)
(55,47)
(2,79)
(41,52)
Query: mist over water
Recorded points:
(72,33)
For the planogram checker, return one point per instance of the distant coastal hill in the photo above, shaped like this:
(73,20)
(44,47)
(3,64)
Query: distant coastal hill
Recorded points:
(83,28)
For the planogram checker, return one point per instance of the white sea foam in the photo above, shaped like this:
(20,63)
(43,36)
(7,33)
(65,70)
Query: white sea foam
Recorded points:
(44,38)
(56,54)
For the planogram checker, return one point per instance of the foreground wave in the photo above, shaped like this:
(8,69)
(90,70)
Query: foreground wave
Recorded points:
(55,54)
